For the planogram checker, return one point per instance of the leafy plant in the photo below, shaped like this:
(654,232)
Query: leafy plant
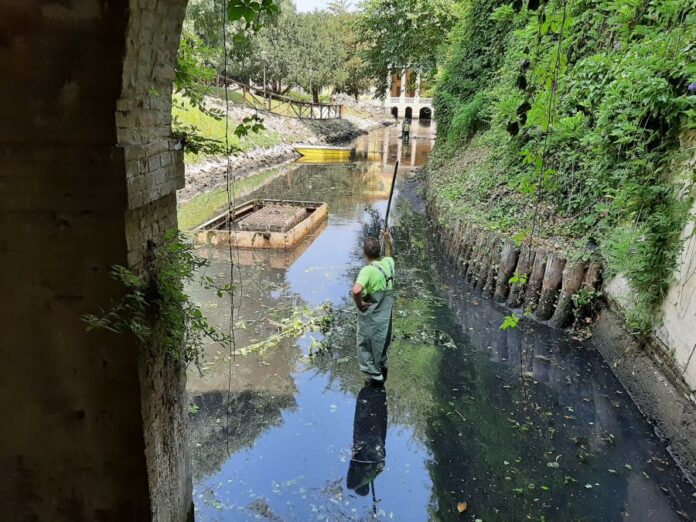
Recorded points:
(159,299)
(510,321)
(602,171)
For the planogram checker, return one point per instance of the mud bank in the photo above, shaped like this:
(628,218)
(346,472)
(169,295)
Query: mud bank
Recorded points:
(664,404)
(210,174)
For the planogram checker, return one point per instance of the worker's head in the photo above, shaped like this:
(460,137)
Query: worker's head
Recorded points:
(372,248)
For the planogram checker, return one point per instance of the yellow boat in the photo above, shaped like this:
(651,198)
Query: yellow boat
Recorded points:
(324,154)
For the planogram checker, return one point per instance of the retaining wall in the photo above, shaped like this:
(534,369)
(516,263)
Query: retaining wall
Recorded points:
(488,261)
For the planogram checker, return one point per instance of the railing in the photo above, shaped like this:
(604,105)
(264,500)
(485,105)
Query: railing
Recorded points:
(267,101)
(397,100)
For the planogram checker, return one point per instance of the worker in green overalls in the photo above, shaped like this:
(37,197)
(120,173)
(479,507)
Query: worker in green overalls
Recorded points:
(373,294)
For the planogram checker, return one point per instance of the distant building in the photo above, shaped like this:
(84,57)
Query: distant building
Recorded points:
(403,97)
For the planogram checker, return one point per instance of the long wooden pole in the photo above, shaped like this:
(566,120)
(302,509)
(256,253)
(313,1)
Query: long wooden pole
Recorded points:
(391,195)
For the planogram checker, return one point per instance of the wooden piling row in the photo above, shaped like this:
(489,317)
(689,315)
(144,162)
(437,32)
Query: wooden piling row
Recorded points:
(547,281)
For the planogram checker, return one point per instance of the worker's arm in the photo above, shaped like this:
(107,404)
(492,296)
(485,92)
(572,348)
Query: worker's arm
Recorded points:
(358,297)
(388,245)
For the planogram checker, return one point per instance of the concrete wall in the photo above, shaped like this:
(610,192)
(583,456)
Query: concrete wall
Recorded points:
(674,346)
(678,330)
(94,425)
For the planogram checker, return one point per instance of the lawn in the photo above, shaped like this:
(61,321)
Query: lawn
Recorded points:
(205,206)
(213,128)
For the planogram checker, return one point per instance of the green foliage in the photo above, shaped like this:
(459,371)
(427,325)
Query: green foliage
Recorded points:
(202,135)
(600,143)
(478,42)
(510,321)
(404,33)
(159,299)
(467,120)
(319,53)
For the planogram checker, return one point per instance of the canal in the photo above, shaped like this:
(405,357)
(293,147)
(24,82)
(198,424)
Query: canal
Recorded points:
(522,424)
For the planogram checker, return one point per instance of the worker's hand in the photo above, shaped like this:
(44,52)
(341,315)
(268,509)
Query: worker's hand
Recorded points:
(363,306)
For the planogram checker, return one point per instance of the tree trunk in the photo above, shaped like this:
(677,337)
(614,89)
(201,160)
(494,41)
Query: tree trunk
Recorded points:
(315,94)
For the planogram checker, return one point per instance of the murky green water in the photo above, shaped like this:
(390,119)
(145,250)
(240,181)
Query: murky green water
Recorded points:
(523,424)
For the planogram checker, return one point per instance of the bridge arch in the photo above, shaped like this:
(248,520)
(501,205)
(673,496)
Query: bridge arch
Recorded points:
(425,113)
(395,112)
(408,113)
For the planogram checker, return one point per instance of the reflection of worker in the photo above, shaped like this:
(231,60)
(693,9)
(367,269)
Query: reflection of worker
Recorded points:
(406,129)
(373,294)
(369,437)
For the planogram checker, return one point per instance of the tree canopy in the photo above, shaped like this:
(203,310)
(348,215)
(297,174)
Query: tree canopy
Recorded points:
(404,33)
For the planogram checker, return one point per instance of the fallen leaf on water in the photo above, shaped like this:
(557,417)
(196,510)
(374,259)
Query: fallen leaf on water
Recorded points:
(461,507)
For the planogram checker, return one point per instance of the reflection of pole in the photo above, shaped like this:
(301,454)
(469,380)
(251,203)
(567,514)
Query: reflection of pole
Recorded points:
(391,195)
(374,499)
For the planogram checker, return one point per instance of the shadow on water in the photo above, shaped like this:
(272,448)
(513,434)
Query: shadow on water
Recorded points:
(523,424)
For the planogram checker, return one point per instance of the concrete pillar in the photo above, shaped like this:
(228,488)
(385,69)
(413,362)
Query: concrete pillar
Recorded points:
(95,425)
(418,84)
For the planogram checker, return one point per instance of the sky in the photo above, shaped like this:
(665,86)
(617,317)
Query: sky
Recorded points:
(310,5)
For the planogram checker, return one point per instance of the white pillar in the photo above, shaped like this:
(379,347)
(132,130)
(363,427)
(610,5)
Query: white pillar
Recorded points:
(402,94)
(418,83)
(387,97)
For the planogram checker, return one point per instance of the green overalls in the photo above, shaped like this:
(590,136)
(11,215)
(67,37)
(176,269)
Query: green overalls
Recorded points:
(375,328)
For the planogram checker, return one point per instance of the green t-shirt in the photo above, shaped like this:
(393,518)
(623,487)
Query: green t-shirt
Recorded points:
(372,280)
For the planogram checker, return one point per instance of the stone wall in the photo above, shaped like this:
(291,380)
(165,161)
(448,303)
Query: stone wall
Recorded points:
(154,172)
(94,425)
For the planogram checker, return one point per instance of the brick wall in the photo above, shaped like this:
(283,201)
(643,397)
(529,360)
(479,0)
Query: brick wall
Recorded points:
(94,426)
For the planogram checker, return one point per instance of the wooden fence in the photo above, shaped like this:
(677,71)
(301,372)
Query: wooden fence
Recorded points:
(282,105)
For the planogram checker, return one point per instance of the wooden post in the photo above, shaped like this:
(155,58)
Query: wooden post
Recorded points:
(549,287)
(467,253)
(535,279)
(492,275)
(508,262)
(524,268)
(573,276)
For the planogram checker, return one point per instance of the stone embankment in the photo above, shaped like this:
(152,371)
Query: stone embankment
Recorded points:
(210,174)
(547,284)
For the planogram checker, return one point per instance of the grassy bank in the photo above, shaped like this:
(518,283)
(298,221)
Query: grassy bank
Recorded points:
(212,128)
(207,205)
(564,125)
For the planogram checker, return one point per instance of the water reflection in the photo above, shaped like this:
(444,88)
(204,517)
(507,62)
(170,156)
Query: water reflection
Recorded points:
(521,424)
(369,438)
